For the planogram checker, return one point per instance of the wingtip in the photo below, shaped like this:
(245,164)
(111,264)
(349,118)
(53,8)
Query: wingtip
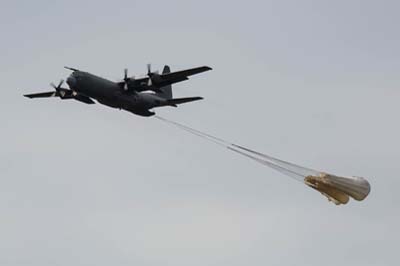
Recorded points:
(71,68)
(199,98)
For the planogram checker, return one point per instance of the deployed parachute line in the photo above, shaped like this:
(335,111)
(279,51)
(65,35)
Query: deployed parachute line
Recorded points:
(337,189)
(196,132)
(300,170)
(285,171)
(237,149)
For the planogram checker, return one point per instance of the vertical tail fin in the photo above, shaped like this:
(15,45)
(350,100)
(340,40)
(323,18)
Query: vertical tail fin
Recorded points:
(166,91)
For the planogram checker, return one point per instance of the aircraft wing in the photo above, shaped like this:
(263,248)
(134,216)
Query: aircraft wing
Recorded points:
(63,94)
(175,102)
(184,74)
(178,76)
(41,95)
(166,79)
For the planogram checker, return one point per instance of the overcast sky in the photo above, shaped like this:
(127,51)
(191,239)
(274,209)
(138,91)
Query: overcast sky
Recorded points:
(312,82)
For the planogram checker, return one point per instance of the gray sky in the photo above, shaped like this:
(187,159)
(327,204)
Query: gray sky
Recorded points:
(311,82)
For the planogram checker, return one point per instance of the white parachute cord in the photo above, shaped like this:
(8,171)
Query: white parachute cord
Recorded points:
(305,171)
(200,134)
(271,162)
(296,176)
(195,130)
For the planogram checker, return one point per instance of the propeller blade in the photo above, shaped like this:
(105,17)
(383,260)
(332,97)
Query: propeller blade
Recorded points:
(53,85)
(60,84)
(125,74)
(148,69)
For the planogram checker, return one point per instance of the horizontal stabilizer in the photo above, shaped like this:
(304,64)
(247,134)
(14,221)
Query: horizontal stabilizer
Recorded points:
(175,102)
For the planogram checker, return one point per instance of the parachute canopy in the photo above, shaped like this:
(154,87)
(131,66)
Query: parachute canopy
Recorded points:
(339,189)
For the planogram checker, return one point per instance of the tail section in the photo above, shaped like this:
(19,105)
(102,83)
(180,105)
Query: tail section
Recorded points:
(166,91)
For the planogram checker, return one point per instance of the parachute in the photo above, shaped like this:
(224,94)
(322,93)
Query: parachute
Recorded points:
(337,189)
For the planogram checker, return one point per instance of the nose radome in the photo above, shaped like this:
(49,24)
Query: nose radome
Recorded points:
(71,81)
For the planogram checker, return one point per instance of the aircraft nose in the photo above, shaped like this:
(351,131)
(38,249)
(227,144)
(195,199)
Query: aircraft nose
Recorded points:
(71,81)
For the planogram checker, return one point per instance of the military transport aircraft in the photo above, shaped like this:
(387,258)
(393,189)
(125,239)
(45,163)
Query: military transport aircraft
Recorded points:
(137,96)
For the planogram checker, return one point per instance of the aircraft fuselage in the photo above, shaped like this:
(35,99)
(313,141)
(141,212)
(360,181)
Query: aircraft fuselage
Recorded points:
(111,94)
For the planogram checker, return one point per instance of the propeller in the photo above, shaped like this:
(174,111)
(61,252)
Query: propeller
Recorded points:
(125,74)
(58,88)
(149,70)
(63,93)
(126,79)
(151,75)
